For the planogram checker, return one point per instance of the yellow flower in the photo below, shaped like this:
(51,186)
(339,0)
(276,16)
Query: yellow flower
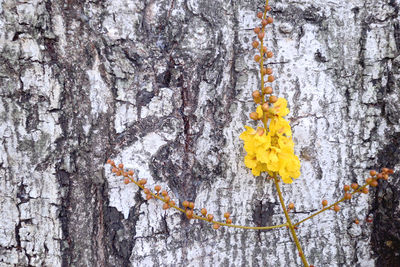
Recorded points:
(272,152)
(280,107)
(279,125)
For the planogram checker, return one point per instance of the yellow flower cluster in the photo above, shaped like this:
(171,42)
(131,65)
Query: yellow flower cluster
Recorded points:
(272,151)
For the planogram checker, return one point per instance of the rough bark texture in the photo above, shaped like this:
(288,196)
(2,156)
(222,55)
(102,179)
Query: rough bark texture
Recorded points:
(165,86)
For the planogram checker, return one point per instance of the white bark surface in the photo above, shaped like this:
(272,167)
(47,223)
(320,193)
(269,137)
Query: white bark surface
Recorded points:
(164,86)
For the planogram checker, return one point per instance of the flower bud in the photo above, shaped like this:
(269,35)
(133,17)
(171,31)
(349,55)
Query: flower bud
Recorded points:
(255,44)
(273,99)
(271,78)
(257,58)
(270,54)
(203,212)
(254,116)
(267,90)
(270,20)
(264,22)
(324,202)
(265,107)
(256,94)
(261,35)
(257,30)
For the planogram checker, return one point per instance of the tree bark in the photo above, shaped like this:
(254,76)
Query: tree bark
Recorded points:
(164,86)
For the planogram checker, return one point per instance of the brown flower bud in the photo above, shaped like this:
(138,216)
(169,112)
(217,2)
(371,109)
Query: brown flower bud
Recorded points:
(255,44)
(268,8)
(229,221)
(324,202)
(216,226)
(165,206)
(148,197)
(191,205)
(346,188)
(273,99)
(365,190)
(265,107)
(267,90)
(269,71)
(291,206)
(347,196)
(354,186)
(226,215)
(260,15)
(374,183)
(185,203)
(203,212)
(270,20)
(189,214)
(270,54)
(256,94)
(271,78)
(257,30)
(336,208)
(257,58)
(261,35)
(369,180)
(121,166)
(164,193)
(264,22)
(210,217)
(157,188)
(126,181)
(254,116)
(372,172)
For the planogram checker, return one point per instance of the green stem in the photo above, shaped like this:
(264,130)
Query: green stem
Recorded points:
(290,225)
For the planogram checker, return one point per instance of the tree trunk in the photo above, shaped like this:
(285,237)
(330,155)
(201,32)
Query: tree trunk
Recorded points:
(164,86)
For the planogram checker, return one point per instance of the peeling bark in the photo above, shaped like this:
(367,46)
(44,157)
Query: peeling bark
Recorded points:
(165,86)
